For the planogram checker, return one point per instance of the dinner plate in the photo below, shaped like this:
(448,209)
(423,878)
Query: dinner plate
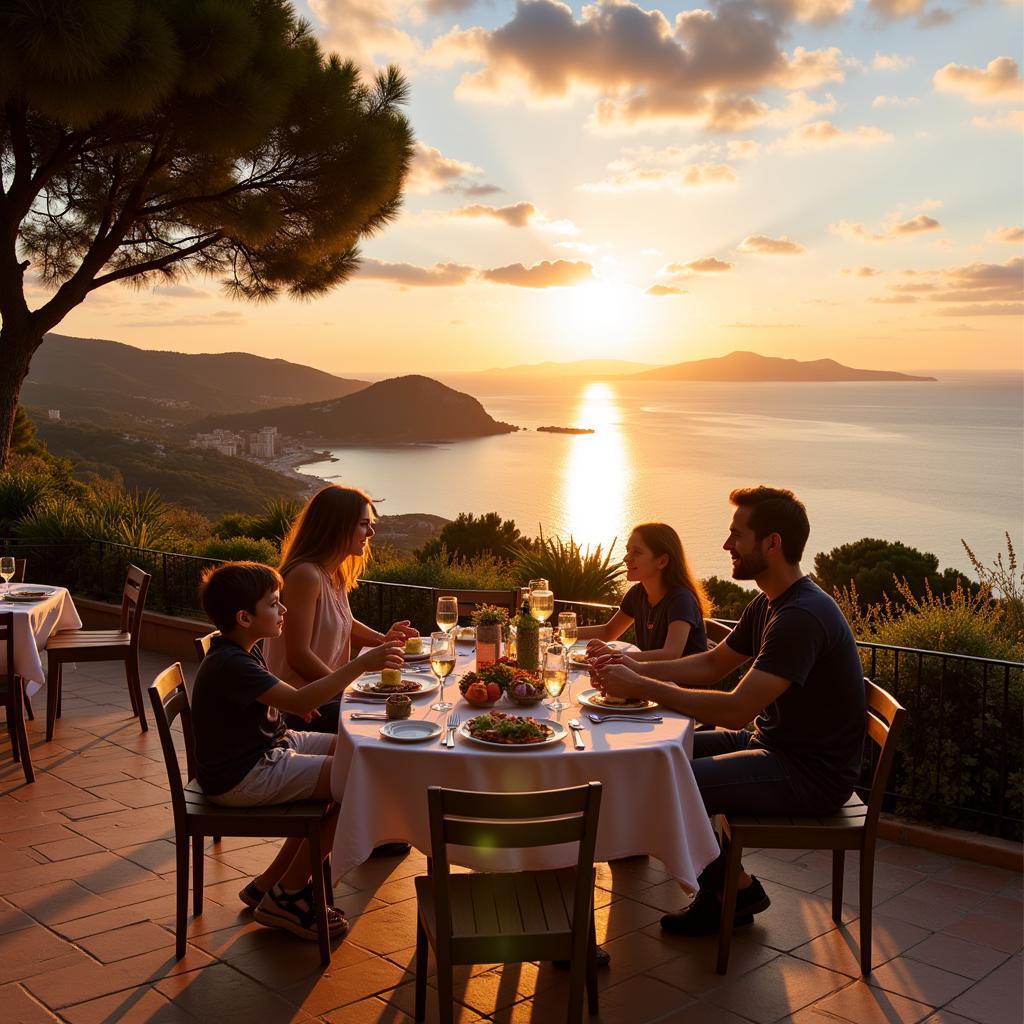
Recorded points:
(28,594)
(410,730)
(587,699)
(465,638)
(578,654)
(424,655)
(428,684)
(558,734)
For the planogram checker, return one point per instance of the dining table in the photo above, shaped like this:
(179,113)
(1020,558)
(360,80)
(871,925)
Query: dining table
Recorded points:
(34,623)
(649,804)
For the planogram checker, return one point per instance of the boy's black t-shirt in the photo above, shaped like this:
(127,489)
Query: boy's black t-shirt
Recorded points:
(231,728)
(820,721)
(650,624)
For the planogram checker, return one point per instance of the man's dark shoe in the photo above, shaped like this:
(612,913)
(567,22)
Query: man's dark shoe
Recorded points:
(704,915)
(602,956)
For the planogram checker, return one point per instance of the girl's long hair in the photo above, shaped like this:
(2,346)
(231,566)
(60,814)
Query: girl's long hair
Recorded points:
(323,531)
(663,540)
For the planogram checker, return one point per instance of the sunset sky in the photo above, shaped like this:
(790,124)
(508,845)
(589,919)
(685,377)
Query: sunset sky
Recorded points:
(666,182)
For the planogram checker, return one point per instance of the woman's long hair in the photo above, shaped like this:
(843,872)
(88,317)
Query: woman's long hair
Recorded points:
(663,540)
(322,533)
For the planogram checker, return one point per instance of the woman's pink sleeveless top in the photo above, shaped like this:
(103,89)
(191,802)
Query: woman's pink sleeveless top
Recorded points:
(332,634)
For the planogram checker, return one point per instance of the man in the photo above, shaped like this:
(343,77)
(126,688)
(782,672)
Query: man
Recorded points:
(804,693)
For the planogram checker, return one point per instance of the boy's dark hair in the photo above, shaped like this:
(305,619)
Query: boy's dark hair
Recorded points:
(776,510)
(235,587)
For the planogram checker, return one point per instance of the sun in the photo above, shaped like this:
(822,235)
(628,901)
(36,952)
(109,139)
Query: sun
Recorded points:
(598,316)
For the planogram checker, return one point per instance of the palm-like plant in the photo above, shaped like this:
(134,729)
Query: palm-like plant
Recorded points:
(574,574)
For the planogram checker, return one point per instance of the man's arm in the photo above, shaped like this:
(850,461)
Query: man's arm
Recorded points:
(732,709)
(696,670)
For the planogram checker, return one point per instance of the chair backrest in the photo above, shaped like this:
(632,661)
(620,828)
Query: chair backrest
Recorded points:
(133,602)
(512,821)
(169,698)
(885,722)
(20,566)
(716,631)
(7,646)
(469,599)
(202,643)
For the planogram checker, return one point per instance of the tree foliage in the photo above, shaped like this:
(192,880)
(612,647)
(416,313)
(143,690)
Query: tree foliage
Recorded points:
(728,599)
(468,536)
(149,139)
(574,574)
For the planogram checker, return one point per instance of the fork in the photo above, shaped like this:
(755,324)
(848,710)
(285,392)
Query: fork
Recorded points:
(598,719)
(453,724)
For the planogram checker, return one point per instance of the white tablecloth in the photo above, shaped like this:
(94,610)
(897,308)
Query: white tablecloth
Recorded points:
(33,624)
(650,802)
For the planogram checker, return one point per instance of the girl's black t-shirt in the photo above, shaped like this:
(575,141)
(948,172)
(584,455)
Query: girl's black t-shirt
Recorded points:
(650,623)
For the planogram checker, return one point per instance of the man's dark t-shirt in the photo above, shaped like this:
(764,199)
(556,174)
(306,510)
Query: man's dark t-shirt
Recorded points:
(650,623)
(232,729)
(820,721)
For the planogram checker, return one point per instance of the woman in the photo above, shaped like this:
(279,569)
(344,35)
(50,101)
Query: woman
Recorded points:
(667,605)
(321,560)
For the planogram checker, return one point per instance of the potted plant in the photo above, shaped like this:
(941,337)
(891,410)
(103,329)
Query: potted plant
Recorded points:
(489,621)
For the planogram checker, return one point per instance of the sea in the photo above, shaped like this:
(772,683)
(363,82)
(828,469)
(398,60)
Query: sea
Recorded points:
(928,464)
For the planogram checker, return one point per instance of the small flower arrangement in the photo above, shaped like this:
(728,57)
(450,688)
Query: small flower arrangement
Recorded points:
(489,615)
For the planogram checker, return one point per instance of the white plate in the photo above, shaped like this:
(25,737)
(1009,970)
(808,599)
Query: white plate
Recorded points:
(428,684)
(558,734)
(467,638)
(410,730)
(424,655)
(28,594)
(578,653)
(586,698)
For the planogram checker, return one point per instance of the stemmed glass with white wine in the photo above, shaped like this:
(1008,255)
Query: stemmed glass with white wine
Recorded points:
(442,664)
(7,570)
(567,632)
(555,676)
(542,604)
(447,613)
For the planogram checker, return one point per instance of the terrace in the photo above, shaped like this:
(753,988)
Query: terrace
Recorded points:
(87,919)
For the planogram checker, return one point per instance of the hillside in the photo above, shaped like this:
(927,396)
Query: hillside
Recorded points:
(109,383)
(401,410)
(749,366)
(206,481)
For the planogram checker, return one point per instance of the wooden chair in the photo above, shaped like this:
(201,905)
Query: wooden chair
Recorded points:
(122,644)
(855,827)
(469,599)
(510,917)
(195,817)
(716,631)
(20,566)
(202,643)
(12,688)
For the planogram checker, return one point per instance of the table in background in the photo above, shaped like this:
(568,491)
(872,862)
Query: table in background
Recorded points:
(33,625)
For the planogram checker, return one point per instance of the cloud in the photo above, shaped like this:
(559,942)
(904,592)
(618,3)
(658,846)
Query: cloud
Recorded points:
(894,101)
(979,289)
(998,82)
(762,245)
(516,215)
(1012,119)
(546,274)
(1012,234)
(997,309)
(928,15)
(895,226)
(706,265)
(447,6)
(368,31)
(638,66)
(180,291)
(226,318)
(432,171)
(891,62)
(893,300)
(861,271)
(411,276)
(742,149)
(702,175)
(665,290)
(916,225)
(819,134)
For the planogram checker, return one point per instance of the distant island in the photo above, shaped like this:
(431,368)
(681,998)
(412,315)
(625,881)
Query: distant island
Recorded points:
(749,366)
(565,430)
(402,410)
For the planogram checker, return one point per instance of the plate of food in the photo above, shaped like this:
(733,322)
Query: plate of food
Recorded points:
(410,730)
(604,702)
(382,685)
(503,731)
(417,648)
(28,594)
(465,634)
(578,655)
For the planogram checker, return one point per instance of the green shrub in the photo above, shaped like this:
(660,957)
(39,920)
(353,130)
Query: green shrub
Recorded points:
(276,519)
(468,536)
(234,524)
(573,574)
(484,572)
(1007,585)
(728,599)
(21,491)
(241,549)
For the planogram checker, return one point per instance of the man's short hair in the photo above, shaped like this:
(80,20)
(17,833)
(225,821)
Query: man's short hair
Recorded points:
(776,510)
(235,587)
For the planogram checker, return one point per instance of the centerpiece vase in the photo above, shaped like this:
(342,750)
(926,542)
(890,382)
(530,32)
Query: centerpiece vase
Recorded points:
(488,645)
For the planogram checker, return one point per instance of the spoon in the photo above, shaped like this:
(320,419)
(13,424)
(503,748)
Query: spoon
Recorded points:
(577,732)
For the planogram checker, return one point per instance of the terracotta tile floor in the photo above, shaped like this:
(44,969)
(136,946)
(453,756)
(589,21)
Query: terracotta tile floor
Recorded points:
(86,920)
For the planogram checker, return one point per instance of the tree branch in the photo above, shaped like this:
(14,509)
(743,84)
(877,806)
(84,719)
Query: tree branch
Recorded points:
(157,264)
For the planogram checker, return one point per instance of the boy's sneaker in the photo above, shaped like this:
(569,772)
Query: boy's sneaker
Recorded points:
(294,912)
(252,894)
(704,914)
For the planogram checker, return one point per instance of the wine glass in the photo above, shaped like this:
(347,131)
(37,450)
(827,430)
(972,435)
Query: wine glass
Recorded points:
(537,584)
(7,570)
(542,604)
(567,632)
(447,613)
(442,664)
(555,676)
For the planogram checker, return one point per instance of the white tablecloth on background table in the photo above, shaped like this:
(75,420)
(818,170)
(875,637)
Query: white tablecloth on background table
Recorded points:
(649,803)
(33,624)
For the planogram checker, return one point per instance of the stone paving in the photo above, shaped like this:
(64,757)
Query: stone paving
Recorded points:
(87,920)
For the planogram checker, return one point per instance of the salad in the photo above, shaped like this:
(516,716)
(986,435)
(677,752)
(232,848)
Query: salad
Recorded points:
(513,730)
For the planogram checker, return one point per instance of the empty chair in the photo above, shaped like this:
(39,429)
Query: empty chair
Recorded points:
(853,827)
(13,693)
(195,817)
(20,567)
(509,917)
(122,644)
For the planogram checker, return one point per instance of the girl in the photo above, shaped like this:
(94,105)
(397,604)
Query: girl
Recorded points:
(667,605)
(322,557)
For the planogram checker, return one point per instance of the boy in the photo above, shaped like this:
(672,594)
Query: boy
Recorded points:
(245,755)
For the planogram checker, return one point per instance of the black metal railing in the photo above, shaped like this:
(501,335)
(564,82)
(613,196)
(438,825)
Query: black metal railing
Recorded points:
(960,756)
